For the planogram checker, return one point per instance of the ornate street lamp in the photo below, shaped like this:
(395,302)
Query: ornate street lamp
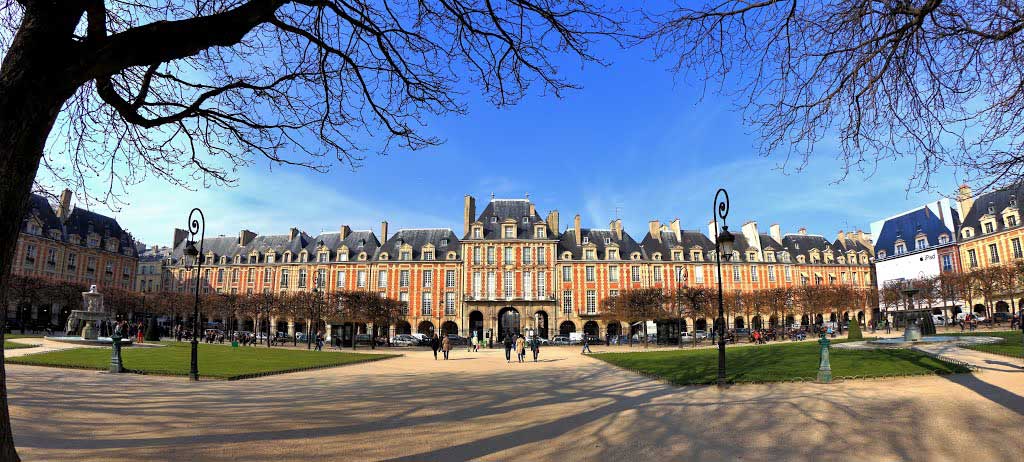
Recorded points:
(192,260)
(723,246)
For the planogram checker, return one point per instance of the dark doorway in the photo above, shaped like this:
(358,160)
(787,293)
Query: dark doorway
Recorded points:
(541,319)
(756,323)
(403,327)
(614,329)
(566,328)
(701,324)
(476,325)
(426,328)
(449,327)
(737,322)
(508,323)
(1001,307)
(591,328)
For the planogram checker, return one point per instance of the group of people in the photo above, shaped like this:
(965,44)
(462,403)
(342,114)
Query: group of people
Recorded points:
(444,345)
(519,343)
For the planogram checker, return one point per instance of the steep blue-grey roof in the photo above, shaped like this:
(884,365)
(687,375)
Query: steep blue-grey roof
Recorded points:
(567,242)
(443,240)
(907,227)
(502,209)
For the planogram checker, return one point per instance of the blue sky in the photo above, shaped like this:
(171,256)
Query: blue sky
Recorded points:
(635,137)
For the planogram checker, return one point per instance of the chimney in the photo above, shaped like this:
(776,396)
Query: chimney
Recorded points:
(179,236)
(64,207)
(965,199)
(802,231)
(344,231)
(841,236)
(383,231)
(553,223)
(293,233)
(775,232)
(712,231)
(468,213)
(576,229)
(674,226)
(752,235)
(654,228)
(618,228)
(533,210)
(245,237)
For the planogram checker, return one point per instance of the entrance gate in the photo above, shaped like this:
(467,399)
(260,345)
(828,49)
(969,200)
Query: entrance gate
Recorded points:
(508,323)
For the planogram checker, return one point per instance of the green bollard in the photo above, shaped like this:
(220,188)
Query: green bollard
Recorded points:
(824,368)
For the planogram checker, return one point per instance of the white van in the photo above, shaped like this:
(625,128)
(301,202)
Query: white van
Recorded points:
(939,320)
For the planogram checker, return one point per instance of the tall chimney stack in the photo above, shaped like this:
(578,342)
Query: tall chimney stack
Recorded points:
(245,237)
(468,213)
(654,227)
(293,233)
(842,237)
(179,236)
(344,231)
(576,229)
(383,231)
(618,228)
(802,231)
(674,226)
(552,222)
(775,231)
(712,231)
(965,198)
(64,206)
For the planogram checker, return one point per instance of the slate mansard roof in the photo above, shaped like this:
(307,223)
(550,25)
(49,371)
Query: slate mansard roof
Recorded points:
(567,243)
(992,204)
(907,227)
(499,210)
(442,239)
(688,240)
(79,222)
(355,242)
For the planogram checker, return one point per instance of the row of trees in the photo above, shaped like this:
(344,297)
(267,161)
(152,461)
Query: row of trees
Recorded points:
(990,285)
(353,306)
(700,302)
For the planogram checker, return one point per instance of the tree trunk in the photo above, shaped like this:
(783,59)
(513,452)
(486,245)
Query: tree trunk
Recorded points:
(34,85)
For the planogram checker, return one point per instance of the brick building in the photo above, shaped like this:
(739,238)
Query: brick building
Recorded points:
(991,235)
(514,269)
(72,245)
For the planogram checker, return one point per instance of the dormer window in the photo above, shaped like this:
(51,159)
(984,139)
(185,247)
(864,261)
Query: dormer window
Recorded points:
(586,240)
(287,257)
(384,256)
(656,256)
(478,232)
(1013,200)
(696,255)
(270,258)
(362,256)
(677,255)
(770,256)
(921,243)
(991,208)
(988,227)
(452,255)
(494,219)
(1011,220)
(323,257)
(943,239)
(901,248)
(566,256)
(238,259)
(588,254)
(223,260)
(428,255)
(635,256)
(540,232)
(444,241)
(526,220)
(613,254)
(967,232)
(405,255)
(881,254)
(607,240)
(303,257)
(799,258)
(508,231)
(343,254)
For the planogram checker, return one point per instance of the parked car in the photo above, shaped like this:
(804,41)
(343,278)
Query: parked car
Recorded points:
(1002,317)
(421,339)
(560,340)
(404,340)
(700,334)
(939,320)
(455,340)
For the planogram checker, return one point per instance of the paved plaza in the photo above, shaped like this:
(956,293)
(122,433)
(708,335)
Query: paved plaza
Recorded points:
(475,406)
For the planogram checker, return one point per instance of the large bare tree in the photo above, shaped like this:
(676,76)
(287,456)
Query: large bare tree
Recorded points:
(186,91)
(933,81)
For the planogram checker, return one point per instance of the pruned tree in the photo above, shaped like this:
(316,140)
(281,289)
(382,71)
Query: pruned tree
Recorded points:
(111,91)
(636,305)
(931,81)
(693,302)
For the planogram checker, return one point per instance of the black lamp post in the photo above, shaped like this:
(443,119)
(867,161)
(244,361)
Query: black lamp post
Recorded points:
(723,245)
(192,260)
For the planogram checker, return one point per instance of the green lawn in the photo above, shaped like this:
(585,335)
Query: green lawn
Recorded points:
(219,361)
(13,346)
(776,363)
(1011,347)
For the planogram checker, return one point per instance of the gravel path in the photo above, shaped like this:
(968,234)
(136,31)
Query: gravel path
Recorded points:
(475,406)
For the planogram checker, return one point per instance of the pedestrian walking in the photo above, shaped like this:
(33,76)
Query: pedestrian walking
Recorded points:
(521,348)
(888,327)
(508,347)
(586,345)
(535,347)
(446,346)
(470,342)
(319,341)
(435,344)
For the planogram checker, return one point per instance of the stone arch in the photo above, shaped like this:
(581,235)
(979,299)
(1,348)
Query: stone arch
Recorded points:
(425,328)
(566,328)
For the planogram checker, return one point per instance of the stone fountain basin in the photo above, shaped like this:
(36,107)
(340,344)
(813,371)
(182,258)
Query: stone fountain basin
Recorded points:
(100,341)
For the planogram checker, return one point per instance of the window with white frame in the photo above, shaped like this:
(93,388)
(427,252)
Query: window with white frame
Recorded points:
(302,278)
(753,273)
(613,273)
(527,255)
(541,255)
(771,273)
(382,279)
(508,284)
(340,282)
(566,273)
(947,265)
(428,255)
(698,274)
(921,243)
(591,302)
(588,254)
(507,257)
(972,258)
(449,278)
(321,278)
(657,274)
(635,273)
(361,279)
(426,303)
(566,302)
(993,253)
(477,284)
(589,270)
(449,303)
(542,284)
(527,283)
(492,289)
(284,278)
(1015,245)
(428,278)
(404,298)
(787,273)
(490,255)
(736,277)
(509,231)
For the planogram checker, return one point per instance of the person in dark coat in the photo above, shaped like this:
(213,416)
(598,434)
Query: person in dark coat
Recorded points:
(509,342)
(435,344)
(535,347)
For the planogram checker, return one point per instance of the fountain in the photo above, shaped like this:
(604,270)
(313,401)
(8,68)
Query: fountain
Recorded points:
(84,322)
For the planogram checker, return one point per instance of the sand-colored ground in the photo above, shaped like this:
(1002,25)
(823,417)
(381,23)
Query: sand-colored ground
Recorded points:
(476,406)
